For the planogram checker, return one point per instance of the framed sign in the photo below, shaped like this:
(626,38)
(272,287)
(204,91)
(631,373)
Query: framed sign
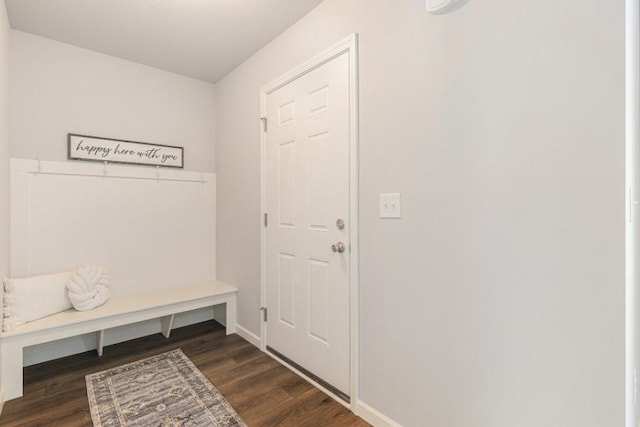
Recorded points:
(84,147)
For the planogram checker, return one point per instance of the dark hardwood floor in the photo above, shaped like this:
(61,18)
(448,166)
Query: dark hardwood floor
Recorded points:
(261,390)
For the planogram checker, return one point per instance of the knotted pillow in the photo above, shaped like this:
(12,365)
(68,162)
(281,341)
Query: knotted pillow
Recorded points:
(89,287)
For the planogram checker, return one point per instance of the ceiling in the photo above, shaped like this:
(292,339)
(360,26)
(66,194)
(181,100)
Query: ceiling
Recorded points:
(203,39)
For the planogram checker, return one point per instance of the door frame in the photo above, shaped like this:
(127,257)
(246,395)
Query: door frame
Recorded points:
(348,45)
(632,213)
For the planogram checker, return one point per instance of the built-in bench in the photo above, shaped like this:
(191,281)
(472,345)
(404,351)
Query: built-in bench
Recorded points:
(117,311)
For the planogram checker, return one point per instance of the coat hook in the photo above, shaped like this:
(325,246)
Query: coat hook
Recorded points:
(158,173)
(104,170)
(39,167)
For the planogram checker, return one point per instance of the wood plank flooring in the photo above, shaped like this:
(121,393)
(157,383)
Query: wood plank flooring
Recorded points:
(261,390)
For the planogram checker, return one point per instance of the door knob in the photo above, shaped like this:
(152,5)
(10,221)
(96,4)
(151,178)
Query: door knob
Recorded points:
(338,247)
(340,223)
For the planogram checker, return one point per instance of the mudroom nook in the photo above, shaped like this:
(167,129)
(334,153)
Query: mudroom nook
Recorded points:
(335,213)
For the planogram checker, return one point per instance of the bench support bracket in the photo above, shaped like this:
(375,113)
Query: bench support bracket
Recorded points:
(166,323)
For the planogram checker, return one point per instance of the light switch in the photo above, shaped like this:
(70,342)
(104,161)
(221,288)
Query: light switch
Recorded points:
(390,205)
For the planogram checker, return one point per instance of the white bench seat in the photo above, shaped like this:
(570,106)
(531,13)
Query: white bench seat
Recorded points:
(117,311)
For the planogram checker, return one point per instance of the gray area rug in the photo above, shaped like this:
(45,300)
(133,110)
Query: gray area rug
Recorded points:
(163,390)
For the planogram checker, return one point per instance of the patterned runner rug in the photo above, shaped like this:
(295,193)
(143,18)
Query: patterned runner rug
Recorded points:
(163,390)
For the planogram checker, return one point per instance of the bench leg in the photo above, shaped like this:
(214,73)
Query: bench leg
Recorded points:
(11,372)
(166,323)
(100,342)
(231,315)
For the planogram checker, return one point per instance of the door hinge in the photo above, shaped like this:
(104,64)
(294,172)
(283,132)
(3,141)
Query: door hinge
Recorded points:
(264,123)
(264,313)
(266,220)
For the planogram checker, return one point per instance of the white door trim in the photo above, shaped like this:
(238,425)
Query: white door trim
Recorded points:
(348,45)
(632,192)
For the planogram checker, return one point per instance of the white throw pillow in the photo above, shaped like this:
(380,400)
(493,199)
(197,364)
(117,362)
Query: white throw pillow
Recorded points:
(31,298)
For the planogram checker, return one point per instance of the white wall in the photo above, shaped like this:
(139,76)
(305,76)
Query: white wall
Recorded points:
(498,300)
(58,88)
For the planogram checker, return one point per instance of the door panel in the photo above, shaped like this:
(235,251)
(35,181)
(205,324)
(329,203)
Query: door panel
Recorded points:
(307,192)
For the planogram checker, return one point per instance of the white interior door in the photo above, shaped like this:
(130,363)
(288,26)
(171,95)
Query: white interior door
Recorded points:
(308,271)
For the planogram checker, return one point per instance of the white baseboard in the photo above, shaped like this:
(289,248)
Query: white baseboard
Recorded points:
(375,417)
(248,335)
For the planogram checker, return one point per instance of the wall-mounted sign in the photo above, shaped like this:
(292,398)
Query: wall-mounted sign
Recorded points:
(83,147)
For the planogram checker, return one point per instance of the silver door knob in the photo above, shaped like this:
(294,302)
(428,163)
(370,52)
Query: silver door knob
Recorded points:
(340,223)
(338,247)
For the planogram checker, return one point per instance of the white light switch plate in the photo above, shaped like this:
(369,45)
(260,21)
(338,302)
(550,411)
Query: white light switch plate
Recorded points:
(390,205)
